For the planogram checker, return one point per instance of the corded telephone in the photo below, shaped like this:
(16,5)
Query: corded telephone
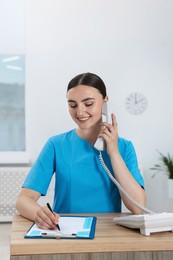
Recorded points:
(147,223)
(100,143)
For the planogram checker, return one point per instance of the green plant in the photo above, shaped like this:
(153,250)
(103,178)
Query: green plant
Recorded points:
(166,165)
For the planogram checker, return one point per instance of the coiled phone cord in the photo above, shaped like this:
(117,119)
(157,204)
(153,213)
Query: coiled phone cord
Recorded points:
(137,204)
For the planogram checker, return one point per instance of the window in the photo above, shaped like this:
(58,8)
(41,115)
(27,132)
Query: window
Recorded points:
(13,147)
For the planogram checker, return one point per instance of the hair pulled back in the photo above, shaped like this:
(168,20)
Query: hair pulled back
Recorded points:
(88,79)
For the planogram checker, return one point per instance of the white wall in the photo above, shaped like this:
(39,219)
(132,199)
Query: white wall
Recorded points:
(129,44)
(12,26)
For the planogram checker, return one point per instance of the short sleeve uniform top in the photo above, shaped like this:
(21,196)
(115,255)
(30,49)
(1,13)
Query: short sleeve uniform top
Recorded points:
(81,183)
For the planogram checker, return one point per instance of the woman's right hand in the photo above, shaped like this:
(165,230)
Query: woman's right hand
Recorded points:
(109,132)
(29,208)
(45,219)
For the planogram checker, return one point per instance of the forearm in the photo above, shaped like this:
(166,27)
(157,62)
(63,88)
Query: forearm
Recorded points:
(138,194)
(129,184)
(27,206)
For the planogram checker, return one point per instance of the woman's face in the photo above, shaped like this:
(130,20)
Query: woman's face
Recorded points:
(85,106)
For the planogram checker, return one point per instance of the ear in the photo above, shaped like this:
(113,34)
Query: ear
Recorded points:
(106,99)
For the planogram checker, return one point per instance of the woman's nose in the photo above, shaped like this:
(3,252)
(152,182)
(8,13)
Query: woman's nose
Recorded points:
(80,109)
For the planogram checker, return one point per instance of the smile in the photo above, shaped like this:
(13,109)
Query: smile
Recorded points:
(83,118)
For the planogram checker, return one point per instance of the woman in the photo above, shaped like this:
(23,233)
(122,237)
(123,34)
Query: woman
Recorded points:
(81,183)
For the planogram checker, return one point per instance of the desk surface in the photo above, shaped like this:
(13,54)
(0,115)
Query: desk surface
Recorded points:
(109,237)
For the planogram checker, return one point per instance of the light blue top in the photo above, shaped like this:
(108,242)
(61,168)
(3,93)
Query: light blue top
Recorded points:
(81,183)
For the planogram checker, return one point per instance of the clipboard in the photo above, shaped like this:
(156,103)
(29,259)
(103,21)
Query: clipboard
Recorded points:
(71,227)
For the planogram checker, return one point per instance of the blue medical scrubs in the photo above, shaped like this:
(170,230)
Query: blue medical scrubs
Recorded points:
(81,183)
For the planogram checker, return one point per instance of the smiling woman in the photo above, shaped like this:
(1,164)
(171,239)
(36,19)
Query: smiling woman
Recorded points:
(85,94)
(81,183)
(85,104)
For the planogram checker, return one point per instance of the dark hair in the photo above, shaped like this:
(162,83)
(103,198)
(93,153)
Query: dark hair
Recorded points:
(88,79)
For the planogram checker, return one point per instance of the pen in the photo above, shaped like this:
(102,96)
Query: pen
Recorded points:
(49,207)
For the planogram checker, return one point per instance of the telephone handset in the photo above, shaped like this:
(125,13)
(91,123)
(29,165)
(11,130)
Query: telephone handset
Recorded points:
(100,143)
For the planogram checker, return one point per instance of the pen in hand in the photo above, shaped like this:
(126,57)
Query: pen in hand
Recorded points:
(49,207)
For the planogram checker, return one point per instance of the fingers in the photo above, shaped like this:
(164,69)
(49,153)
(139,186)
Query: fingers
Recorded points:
(114,121)
(109,124)
(110,131)
(45,219)
(111,127)
(108,134)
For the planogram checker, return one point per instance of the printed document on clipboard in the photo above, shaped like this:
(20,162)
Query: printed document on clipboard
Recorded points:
(77,227)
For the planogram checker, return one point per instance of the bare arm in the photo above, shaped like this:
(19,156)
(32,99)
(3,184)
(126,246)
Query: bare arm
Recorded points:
(129,184)
(121,172)
(29,208)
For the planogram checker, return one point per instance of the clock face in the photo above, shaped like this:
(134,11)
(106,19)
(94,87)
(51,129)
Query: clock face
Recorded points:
(136,103)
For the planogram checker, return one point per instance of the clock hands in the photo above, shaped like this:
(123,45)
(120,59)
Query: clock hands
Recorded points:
(138,100)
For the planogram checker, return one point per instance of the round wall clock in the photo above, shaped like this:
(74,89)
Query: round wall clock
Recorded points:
(136,103)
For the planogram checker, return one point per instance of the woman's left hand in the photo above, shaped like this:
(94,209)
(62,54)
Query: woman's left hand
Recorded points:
(110,134)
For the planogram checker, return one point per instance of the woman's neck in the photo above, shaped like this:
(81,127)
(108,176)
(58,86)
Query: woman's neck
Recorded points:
(90,134)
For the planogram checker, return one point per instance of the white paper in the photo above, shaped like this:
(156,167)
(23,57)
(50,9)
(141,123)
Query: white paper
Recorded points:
(79,226)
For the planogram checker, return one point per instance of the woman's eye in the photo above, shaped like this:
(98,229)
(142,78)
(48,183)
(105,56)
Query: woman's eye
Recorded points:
(73,106)
(88,104)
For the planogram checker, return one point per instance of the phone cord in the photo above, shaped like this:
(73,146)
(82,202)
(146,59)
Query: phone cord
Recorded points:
(137,204)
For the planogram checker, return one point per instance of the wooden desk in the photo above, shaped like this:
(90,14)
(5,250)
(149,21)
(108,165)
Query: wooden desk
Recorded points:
(111,242)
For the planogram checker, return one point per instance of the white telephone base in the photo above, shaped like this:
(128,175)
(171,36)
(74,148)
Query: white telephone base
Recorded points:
(147,223)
